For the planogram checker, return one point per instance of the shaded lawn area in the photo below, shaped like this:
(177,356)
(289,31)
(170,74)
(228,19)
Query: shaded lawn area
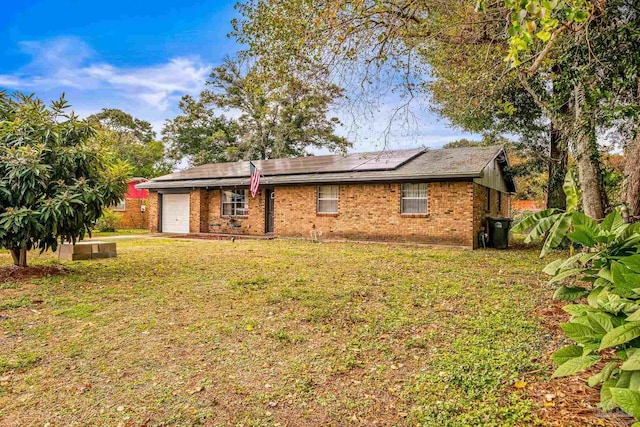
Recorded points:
(263,333)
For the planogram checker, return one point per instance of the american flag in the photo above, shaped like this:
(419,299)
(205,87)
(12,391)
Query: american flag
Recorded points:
(254,183)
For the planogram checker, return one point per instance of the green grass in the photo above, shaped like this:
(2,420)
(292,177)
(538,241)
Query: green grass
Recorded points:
(119,232)
(261,333)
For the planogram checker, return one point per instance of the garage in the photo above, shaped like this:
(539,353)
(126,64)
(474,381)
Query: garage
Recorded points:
(175,213)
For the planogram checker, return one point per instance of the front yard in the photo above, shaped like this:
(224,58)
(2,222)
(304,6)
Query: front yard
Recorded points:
(289,333)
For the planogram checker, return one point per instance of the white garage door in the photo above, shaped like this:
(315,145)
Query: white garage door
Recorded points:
(175,213)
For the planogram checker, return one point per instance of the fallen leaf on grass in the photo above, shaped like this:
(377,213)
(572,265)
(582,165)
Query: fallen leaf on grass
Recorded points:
(83,388)
(196,390)
(520,384)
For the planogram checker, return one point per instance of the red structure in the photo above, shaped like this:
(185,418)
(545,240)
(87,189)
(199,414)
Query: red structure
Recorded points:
(135,193)
(133,209)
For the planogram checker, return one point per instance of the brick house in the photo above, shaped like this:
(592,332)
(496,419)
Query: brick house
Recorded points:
(132,210)
(418,195)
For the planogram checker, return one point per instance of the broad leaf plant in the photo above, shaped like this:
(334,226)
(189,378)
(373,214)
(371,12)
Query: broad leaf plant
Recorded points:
(601,280)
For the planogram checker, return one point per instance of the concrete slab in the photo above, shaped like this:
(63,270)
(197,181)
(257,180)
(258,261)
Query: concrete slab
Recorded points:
(90,249)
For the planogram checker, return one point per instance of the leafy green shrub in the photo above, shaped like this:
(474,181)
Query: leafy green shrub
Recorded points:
(552,222)
(607,327)
(602,280)
(108,221)
(605,275)
(55,177)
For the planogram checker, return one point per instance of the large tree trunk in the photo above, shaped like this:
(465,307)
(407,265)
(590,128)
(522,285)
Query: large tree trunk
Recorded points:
(590,177)
(632,177)
(558,156)
(19,256)
(594,198)
(632,170)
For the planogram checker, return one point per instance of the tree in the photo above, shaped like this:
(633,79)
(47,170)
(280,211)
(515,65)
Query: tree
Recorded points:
(133,141)
(469,86)
(591,48)
(278,116)
(54,179)
(430,50)
(200,134)
(416,44)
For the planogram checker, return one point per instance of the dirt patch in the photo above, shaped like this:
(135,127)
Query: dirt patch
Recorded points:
(568,401)
(13,273)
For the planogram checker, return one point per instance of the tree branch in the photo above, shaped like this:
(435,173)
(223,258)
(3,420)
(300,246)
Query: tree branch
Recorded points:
(544,106)
(543,54)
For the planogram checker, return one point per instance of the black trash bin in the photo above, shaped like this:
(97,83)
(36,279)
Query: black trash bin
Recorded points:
(499,232)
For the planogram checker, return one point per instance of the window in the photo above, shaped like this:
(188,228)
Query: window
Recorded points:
(120,206)
(327,199)
(499,201)
(488,205)
(413,199)
(235,203)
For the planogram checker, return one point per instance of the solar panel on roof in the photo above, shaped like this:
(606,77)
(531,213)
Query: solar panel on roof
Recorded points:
(387,160)
(297,165)
(382,160)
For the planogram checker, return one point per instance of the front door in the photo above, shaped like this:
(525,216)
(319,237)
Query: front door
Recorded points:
(268,207)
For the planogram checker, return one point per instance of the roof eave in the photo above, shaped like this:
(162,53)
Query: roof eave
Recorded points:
(312,180)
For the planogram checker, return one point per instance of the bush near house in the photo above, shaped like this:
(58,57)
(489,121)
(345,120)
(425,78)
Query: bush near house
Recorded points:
(108,222)
(54,180)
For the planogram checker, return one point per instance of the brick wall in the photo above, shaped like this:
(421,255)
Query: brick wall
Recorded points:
(456,211)
(372,212)
(152,211)
(198,211)
(132,216)
(253,223)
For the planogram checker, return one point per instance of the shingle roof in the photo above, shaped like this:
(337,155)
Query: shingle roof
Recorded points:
(389,165)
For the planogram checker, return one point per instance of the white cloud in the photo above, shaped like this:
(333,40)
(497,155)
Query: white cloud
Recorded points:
(151,92)
(8,81)
(68,63)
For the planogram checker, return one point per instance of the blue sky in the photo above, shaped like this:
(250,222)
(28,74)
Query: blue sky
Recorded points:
(141,56)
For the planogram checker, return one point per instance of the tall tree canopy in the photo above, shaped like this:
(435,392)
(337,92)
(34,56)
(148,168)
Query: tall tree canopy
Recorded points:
(200,134)
(277,116)
(133,141)
(591,52)
(453,54)
(54,176)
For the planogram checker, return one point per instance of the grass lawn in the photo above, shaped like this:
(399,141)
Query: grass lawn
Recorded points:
(119,232)
(267,333)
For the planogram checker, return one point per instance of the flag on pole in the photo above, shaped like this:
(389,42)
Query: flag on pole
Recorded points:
(254,183)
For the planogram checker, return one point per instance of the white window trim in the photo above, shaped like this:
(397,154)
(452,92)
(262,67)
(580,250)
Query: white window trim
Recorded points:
(425,198)
(319,199)
(116,207)
(234,205)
